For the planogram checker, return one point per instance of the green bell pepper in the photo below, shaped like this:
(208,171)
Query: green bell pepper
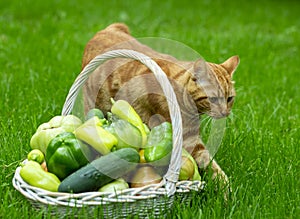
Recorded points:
(66,154)
(47,131)
(32,173)
(159,145)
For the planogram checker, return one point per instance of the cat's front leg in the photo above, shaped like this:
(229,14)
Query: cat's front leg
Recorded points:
(204,161)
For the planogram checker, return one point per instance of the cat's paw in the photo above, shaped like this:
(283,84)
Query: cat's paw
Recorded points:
(222,183)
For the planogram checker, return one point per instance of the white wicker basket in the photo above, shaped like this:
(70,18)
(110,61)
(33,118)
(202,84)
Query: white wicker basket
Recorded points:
(151,200)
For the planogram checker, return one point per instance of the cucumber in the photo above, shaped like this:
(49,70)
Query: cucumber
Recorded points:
(101,171)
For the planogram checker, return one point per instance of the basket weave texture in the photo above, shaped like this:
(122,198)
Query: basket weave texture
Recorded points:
(154,198)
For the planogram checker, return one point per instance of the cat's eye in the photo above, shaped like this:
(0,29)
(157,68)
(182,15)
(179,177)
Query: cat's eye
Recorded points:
(229,99)
(213,99)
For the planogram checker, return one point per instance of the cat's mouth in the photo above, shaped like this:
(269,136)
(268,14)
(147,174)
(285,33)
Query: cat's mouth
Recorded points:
(218,115)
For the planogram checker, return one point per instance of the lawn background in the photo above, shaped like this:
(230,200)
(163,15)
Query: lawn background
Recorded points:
(41,45)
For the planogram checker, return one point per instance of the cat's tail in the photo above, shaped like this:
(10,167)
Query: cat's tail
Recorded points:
(119,27)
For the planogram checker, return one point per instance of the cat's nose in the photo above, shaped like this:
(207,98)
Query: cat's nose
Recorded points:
(225,113)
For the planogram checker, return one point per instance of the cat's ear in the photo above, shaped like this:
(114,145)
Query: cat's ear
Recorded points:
(201,71)
(200,68)
(231,64)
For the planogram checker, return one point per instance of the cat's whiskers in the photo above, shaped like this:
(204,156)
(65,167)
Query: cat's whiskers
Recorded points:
(234,113)
(205,118)
(206,122)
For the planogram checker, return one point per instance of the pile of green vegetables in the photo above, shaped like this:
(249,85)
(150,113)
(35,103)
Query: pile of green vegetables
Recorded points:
(102,153)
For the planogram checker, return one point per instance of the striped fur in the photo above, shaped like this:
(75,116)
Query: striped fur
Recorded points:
(201,87)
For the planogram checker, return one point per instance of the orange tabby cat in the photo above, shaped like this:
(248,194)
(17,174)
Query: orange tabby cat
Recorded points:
(200,87)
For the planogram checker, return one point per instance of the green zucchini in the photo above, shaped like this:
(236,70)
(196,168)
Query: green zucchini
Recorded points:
(101,171)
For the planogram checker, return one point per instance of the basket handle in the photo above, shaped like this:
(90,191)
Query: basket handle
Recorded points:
(171,177)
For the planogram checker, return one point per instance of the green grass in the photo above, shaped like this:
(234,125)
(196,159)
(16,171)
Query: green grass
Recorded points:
(41,45)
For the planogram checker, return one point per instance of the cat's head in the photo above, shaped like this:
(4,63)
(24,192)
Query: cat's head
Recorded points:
(215,87)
